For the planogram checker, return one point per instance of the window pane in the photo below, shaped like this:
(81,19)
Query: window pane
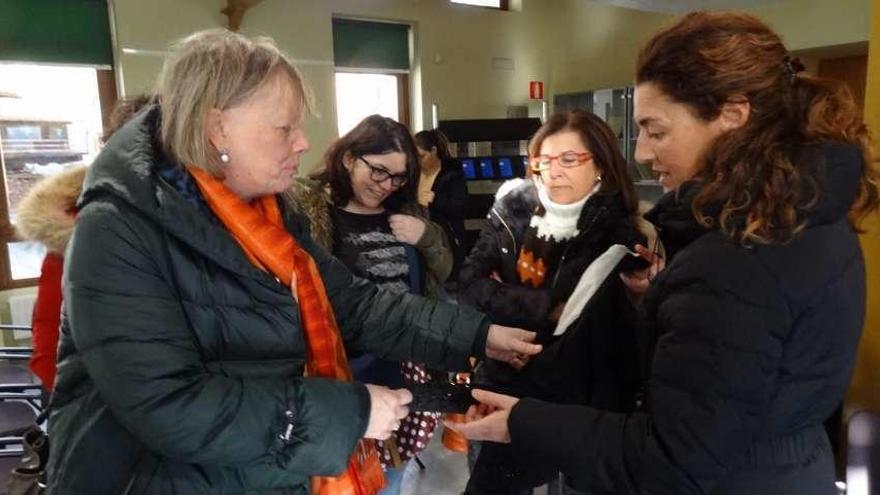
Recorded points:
(22,132)
(44,131)
(25,259)
(360,95)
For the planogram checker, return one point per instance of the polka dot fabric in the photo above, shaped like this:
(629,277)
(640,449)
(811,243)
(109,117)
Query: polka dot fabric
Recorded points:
(416,429)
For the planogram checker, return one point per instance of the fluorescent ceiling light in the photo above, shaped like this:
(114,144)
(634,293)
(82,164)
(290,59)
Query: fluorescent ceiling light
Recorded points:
(480,3)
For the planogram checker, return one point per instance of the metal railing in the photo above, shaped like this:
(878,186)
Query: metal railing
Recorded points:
(11,146)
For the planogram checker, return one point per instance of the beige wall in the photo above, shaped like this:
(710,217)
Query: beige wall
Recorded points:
(807,24)
(600,45)
(866,375)
(5,315)
(571,45)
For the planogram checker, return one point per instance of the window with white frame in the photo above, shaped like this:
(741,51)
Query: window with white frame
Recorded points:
(372,60)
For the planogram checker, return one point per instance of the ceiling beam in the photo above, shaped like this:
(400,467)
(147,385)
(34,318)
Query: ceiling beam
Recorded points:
(235,10)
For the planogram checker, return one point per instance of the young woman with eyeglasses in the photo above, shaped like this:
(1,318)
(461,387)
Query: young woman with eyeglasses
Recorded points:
(362,206)
(542,233)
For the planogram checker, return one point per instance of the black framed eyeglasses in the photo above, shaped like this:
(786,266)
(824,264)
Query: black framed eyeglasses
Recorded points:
(380,175)
(569,159)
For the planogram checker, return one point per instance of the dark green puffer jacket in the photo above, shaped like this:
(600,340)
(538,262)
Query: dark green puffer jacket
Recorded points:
(181,365)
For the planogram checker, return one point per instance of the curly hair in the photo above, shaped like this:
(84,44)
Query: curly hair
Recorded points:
(756,172)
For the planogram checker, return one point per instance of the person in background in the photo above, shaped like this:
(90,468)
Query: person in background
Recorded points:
(46,215)
(542,234)
(204,334)
(753,325)
(362,206)
(443,190)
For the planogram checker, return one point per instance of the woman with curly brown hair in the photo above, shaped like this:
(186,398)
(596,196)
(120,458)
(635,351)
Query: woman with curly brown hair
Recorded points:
(752,327)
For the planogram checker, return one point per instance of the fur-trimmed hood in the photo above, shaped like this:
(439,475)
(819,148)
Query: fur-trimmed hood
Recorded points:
(47,212)
(311,199)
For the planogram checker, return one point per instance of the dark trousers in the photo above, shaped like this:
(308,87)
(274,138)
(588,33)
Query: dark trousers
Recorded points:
(555,485)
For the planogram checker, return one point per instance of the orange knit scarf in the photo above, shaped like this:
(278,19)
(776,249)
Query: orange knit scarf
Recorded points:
(259,230)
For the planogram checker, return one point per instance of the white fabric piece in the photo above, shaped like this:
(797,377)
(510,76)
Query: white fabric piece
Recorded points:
(589,283)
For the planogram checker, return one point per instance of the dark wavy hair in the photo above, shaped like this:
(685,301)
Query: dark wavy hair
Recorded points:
(602,143)
(434,138)
(753,173)
(375,135)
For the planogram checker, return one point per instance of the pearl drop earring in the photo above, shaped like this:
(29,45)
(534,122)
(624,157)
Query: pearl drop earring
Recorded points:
(224,155)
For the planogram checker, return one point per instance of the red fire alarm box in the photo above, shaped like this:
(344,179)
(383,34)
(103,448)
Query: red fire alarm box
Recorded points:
(536,90)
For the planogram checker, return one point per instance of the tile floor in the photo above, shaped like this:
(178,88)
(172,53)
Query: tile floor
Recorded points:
(445,471)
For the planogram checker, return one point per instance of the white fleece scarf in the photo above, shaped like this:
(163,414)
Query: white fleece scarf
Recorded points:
(559,221)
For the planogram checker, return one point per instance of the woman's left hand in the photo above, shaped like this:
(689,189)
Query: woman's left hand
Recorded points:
(406,228)
(488,419)
(637,282)
(511,345)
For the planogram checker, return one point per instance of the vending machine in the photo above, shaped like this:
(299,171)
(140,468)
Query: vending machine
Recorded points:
(491,151)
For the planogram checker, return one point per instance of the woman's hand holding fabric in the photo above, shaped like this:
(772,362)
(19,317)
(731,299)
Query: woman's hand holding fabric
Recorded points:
(387,409)
(638,281)
(511,345)
(488,419)
(406,228)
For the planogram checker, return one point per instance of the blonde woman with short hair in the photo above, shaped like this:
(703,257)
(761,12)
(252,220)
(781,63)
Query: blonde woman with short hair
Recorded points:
(200,351)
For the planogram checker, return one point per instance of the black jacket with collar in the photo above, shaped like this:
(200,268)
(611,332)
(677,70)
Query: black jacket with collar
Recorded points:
(751,349)
(603,222)
(595,362)
(450,202)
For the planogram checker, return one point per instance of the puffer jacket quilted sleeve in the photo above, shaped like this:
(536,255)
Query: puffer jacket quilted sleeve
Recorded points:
(419,329)
(401,326)
(717,382)
(753,349)
(507,303)
(144,360)
(181,364)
